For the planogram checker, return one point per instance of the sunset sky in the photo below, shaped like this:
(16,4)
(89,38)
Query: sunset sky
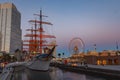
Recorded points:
(94,21)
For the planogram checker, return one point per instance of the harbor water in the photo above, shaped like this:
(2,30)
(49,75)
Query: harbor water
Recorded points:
(52,74)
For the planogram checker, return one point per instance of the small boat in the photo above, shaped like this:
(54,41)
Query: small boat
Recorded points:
(39,45)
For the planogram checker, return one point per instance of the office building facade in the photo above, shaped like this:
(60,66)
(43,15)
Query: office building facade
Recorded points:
(10,22)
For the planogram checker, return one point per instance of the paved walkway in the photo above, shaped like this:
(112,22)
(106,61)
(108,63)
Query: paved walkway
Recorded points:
(110,67)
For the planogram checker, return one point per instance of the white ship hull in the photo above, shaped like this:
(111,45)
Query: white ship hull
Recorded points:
(41,62)
(40,65)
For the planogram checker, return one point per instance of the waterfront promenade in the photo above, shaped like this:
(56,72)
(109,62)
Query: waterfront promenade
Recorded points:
(110,67)
(108,71)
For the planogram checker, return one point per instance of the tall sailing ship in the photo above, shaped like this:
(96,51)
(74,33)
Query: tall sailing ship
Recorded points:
(38,44)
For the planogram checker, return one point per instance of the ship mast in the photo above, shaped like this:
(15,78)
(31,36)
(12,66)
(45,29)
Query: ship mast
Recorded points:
(37,37)
(41,31)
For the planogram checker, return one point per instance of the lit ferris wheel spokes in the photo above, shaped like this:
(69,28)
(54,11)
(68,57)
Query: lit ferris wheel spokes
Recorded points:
(76,45)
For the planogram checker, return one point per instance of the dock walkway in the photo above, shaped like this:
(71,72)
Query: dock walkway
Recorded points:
(108,71)
(110,67)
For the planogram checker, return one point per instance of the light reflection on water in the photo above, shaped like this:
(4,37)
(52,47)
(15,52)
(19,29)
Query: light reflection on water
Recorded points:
(65,75)
(53,74)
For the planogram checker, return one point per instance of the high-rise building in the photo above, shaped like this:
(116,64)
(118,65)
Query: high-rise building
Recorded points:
(10,20)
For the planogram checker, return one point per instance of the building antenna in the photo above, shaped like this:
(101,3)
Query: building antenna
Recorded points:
(95,47)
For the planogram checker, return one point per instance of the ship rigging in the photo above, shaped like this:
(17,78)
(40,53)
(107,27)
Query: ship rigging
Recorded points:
(37,39)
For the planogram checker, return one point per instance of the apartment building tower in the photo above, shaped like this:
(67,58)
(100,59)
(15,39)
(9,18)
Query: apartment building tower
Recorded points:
(10,22)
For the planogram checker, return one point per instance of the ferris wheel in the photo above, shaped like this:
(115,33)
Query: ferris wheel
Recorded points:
(76,45)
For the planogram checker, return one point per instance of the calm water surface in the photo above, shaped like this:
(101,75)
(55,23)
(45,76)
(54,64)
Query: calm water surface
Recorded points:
(53,74)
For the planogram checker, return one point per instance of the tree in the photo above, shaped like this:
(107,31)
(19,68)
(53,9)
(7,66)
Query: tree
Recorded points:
(63,54)
(7,58)
(59,55)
